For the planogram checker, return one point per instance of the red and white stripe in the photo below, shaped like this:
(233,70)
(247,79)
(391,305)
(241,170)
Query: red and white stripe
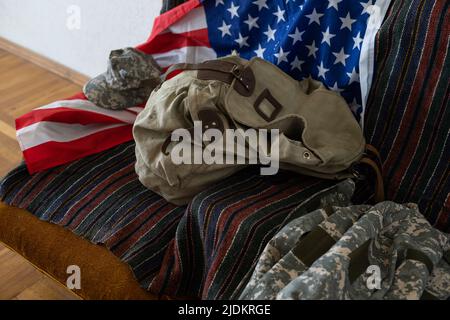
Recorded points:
(184,41)
(74,128)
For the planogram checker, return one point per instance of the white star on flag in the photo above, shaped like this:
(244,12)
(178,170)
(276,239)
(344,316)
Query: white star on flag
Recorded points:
(354,76)
(219,2)
(334,4)
(327,36)
(225,28)
(233,10)
(314,17)
(242,41)
(260,51)
(251,22)
(312,49)
(340,56)
(281,56)
(297,35)
(336,88)
(270,34)
(279,14)
(367,7)
(347,22)
(358,40)
(322,70)
(261,4)
(296,63)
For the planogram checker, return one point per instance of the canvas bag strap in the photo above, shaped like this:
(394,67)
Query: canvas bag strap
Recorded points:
(213,65)
(379,195)
(373,153)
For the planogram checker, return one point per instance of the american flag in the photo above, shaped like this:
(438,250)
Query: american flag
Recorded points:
(331,41)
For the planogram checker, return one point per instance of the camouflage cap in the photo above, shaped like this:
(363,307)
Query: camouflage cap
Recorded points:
(130,78)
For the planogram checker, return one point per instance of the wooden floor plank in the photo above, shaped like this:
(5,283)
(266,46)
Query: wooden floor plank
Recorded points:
(7,129)
(46,289)
(23,87)
(16,274)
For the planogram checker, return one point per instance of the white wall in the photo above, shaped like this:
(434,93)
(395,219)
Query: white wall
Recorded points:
(42,26)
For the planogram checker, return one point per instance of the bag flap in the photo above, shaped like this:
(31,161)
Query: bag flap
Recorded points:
(329,128)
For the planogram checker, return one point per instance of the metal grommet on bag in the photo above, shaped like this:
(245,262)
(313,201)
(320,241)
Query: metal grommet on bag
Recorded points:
(307,155)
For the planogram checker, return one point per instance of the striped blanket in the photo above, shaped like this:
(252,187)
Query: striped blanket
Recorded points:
(408,111)
(178,251)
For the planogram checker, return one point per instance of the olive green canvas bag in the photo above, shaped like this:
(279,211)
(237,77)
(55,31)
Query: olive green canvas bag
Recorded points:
(318,134)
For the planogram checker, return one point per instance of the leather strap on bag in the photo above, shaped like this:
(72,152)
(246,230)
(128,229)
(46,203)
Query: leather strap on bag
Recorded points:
(370,149)
(219,70)
(373,153)
(372,160)
(214,65)
(379,185)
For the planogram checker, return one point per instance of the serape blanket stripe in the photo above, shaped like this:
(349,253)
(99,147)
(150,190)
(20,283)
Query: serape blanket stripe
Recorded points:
(408,111)
(206,249)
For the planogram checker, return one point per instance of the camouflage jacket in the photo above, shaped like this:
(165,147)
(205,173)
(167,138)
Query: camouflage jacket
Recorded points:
(388,251)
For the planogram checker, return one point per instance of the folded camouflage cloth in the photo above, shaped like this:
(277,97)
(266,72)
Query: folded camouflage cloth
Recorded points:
(279,263)
(388,251)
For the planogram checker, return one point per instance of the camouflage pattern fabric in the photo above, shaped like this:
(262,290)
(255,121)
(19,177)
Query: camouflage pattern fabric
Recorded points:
(439,283)
(130,78)
(408,282)
(393,230)
(278,265)
(268,285)
(396,239)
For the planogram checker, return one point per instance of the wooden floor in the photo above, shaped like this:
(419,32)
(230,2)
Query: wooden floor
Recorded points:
(23,87)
